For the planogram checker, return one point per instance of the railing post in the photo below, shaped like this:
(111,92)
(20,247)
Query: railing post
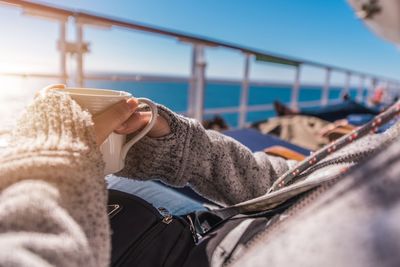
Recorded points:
(325,89)
(79,54)
(192,84)
(244,97)
(197,86)
(346,88)
(62,43)
(360,90)
(371,89)
(296,89)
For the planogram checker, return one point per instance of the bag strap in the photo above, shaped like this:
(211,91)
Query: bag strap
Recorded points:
(205,222)
(258,204)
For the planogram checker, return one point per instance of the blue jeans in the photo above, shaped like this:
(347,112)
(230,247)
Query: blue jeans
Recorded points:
(156,194)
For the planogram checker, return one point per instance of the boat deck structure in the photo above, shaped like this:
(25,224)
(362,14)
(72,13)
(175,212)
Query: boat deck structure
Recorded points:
(197,80)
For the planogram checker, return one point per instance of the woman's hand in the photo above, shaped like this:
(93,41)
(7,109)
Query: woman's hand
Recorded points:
(122,119)
(139,120)
(110,119)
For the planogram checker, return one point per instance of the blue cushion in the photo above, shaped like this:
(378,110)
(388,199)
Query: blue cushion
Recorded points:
(257,141)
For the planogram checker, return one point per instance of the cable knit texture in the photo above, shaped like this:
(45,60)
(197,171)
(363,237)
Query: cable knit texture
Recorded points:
(53,196)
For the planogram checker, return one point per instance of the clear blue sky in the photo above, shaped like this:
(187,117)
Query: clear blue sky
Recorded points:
(325,31)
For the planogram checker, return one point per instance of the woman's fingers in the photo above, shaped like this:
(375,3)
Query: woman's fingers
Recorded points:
(139,120)
(111,118)
(135,122)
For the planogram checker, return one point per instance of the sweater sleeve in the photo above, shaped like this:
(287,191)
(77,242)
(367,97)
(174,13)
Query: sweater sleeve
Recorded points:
(215,165)
(53,198)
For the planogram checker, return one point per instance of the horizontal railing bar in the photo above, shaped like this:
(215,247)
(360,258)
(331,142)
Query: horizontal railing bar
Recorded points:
(252,108)
(101,20)
(226,81)
(149,77)
(165,78)
(32,75)
(39,6)
(265,107)
(137,77)
(210,111)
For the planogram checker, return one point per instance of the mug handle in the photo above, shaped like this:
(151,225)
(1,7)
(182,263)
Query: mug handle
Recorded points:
(146,129)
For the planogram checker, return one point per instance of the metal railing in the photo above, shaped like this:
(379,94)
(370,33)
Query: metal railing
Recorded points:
(197,79)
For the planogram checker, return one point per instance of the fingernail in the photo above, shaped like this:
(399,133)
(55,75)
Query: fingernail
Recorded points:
(132,104)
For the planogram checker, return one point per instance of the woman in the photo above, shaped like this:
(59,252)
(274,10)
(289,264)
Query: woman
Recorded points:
(53,193)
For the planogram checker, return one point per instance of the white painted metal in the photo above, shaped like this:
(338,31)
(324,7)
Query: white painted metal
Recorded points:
(43,14)
(198,82)
(62,19)
(265,107)
(63,53)
(346,87)
(192,84)
(51,12)
(371,88)
(254,108)
(244,98)
(236,109)
(79,79)
(32,75)
(325,89)
(296,89)
(360,89)
(224,110)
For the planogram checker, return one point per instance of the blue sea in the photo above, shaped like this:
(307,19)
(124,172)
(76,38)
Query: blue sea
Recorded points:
(175,95)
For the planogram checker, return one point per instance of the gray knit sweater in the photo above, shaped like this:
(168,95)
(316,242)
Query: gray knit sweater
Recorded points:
(53,194)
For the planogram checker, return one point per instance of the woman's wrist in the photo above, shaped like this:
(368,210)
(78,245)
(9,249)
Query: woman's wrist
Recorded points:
(160,129)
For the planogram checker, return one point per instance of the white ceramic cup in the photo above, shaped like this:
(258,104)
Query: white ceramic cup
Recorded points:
(114,148)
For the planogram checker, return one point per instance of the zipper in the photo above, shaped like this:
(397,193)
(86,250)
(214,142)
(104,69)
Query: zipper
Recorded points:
(138,247)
